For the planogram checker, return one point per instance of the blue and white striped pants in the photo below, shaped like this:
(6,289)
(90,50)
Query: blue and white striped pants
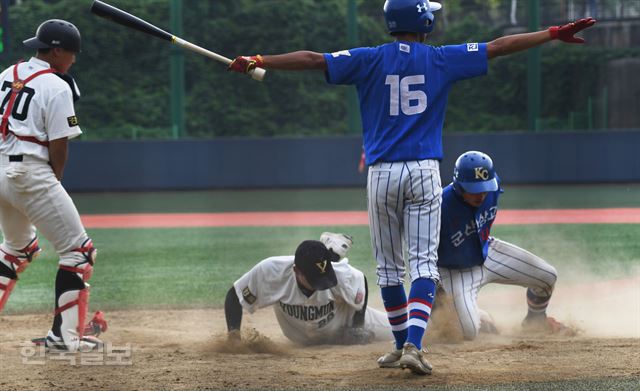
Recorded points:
(506,263)
(404,201)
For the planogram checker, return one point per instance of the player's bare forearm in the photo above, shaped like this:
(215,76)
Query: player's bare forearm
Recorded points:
(518,42)
(515,43)
(296,61)
(58,152)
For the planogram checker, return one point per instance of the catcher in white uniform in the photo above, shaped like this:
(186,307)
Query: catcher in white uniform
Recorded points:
(318,298)
(38,119)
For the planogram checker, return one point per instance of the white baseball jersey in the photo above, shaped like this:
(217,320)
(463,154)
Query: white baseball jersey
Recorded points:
(30,193)
(43,109)
(319,318)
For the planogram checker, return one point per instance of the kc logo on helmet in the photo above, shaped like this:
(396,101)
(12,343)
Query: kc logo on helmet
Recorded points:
(481,173)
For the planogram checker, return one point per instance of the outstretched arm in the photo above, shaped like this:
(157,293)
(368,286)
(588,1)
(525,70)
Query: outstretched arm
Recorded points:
(295,61)
(514,43)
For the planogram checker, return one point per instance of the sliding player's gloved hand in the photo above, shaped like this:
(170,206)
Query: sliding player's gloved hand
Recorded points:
(244,64)
(566,33)
(357,336)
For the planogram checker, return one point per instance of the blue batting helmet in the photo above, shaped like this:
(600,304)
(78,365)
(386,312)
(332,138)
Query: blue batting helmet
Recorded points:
(474,173)
(411,16)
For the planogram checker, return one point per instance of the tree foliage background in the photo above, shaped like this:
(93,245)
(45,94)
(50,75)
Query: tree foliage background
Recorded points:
(124,75)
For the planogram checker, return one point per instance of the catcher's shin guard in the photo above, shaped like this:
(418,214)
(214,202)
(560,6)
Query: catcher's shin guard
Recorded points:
(8,280)
(72,298)
(71,307)
(11,264)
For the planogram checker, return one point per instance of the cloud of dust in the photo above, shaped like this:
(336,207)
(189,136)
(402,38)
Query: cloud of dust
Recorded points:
(251,342)
(597,292)
(597,306)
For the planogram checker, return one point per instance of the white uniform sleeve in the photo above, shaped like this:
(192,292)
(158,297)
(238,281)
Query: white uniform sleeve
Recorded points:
(263,285)
(61,120)
(350,284)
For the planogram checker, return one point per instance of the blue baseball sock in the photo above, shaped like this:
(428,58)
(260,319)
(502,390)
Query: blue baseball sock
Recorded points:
(395,303)
(421,297)
(537,305)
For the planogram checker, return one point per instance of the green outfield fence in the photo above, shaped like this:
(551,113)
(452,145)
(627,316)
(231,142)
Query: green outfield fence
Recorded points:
(135,87)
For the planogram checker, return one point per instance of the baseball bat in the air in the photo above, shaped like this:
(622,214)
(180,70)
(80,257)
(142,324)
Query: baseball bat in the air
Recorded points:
(126,19)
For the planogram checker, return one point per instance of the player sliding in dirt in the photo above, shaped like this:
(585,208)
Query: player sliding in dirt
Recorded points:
(469,258)
(403,87)
(318,297)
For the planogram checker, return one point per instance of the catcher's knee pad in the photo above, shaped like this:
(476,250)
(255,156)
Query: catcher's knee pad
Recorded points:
(13,262)
(80,259)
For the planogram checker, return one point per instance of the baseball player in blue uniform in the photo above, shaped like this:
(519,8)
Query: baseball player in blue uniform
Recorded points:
(470,258)
(402,88)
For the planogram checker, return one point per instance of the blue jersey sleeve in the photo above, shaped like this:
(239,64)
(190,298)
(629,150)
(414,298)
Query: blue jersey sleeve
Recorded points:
(465,61)
(348,66)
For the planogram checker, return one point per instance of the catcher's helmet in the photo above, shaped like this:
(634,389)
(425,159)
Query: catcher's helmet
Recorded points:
(55,33)
(474,173)
(411,16)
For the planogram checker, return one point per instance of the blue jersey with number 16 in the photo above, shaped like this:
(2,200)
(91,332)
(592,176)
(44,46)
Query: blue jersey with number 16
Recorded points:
(403,88)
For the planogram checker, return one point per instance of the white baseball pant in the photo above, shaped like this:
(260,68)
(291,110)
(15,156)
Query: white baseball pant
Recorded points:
(404,201)
(505,264)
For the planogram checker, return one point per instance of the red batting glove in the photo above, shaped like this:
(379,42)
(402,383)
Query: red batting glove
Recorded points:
(565,33)
(244,64)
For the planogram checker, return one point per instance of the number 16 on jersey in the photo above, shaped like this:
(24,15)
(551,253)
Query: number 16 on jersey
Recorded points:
(401,97)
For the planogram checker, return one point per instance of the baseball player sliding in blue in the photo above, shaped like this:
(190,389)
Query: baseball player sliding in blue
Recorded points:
(470,258)
(403,87)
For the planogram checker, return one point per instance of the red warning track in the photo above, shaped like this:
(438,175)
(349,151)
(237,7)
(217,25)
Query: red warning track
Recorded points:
(294,219)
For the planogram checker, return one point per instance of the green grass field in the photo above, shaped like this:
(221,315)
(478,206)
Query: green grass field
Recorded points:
(194,267)
(515,197)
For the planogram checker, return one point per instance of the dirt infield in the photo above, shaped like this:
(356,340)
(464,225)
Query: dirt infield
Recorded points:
(186,350)
(295,219)
(175,350)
